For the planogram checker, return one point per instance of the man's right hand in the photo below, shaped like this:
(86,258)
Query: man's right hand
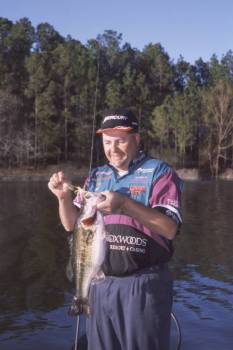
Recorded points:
(59,185)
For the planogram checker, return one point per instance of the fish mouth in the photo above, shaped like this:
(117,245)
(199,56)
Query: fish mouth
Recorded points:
(89,220)
(91,209)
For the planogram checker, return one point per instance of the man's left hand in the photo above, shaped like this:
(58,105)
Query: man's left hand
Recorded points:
(113,202)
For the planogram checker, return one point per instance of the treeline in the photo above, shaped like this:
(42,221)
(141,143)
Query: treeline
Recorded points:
(48,86)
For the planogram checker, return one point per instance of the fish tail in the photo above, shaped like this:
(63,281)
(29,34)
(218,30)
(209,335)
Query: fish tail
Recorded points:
(79,306)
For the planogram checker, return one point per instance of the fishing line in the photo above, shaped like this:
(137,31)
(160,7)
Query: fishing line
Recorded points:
(91,158)
(94,112)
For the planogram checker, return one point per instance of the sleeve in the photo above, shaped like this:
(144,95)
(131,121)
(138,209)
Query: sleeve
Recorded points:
(166,195)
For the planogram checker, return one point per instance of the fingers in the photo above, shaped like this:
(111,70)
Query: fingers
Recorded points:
(105,195)
(106,205)
(61,176)
(56,179)
(104,202)
(101,205)
(113,202)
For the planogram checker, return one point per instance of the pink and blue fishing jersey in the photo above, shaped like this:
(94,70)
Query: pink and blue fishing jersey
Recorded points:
(131,245)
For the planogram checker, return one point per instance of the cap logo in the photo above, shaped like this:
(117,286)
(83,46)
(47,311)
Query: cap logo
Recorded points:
(114,117)
(124,121)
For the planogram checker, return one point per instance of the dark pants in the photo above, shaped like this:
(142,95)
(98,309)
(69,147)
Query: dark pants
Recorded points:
(131,313)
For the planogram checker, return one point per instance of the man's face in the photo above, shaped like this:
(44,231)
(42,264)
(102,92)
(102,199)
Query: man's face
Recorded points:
(120,148)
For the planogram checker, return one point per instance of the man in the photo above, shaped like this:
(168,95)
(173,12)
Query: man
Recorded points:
(131,307)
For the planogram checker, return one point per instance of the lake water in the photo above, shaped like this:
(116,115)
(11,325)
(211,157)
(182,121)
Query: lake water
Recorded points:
(35,293)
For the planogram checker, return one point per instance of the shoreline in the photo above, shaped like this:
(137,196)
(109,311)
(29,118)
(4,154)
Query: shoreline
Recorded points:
(72,172)
(41,175)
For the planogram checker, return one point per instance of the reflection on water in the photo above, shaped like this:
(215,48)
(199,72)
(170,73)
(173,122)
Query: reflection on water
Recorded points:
(204,307)
(196,290)
(35,294)
(206,238)
(32,247)
(203,267)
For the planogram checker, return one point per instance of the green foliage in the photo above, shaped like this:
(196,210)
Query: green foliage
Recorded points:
(175,122)
(47,38)
(51,88)
(113,95)
(15,45)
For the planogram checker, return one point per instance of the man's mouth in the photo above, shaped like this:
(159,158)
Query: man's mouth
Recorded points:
(117,158)
(117,155)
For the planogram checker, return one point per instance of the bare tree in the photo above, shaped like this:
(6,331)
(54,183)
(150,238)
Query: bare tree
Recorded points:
(9,111)
(218,117)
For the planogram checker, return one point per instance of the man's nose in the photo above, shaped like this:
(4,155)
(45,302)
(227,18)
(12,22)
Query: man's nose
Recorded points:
(114,147)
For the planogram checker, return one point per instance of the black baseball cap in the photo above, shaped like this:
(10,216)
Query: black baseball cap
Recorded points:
(122,121)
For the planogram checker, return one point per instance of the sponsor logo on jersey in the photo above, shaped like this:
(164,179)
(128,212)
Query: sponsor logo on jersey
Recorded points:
(140,179)
(145,170)
(173,202)
(104,172)
(136,190)
(123,248)
(128,240)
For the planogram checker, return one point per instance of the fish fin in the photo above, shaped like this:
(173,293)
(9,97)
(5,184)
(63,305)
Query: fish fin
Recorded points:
(69,267)
(79,306)
(69,271)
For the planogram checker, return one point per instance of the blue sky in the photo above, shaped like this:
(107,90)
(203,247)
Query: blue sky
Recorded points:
(191,28)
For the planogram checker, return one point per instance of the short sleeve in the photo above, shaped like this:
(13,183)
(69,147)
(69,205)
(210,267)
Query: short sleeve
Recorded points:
(166,195)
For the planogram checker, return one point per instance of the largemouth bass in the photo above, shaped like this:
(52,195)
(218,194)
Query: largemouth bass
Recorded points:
(87,250)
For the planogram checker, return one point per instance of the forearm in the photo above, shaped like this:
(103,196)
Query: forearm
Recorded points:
(68,213)
(150,217)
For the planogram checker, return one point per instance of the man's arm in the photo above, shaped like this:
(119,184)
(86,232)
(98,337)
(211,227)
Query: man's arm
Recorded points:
(68,213)
(60,187)
(149,217)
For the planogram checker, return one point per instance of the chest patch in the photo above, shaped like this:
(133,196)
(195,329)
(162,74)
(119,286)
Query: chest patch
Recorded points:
(136,190)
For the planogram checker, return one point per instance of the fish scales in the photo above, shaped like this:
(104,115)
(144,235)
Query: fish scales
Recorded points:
(88,252)
(83,266)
